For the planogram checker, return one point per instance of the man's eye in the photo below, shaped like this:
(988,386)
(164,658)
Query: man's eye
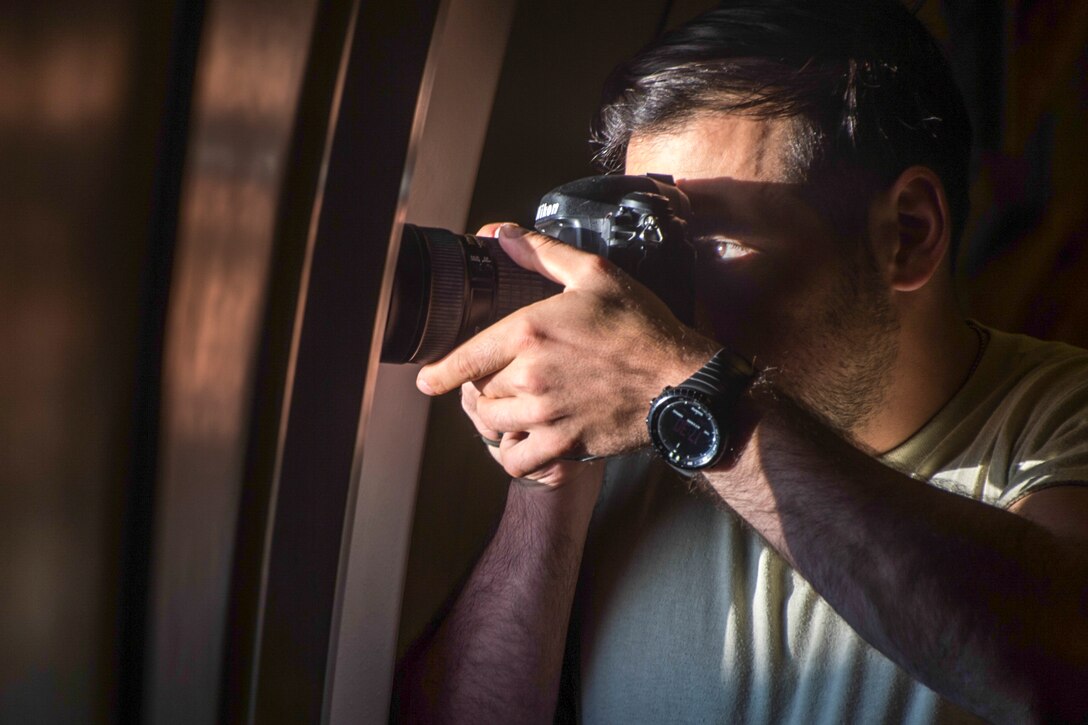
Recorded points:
(726,249)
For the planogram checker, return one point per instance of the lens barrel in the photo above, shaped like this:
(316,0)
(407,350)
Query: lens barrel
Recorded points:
(447,288)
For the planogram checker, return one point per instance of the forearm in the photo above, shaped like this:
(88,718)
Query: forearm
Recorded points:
(980,604)
(498,654)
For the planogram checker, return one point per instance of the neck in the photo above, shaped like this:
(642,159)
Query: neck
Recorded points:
(937,353)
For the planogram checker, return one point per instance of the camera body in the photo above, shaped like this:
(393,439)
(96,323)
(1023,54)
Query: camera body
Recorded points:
(450,286)
(637,222)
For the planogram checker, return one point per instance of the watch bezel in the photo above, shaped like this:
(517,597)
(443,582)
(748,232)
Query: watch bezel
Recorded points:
(669,395)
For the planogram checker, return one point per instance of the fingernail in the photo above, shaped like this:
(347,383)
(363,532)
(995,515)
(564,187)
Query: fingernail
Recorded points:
(424,387)
(509,231)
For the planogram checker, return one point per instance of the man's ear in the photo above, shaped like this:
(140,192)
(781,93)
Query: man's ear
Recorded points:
(923,228)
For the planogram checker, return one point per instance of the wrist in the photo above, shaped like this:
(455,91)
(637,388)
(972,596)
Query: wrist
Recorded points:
(692,425)
(693,351)
(749,413)
(576,494)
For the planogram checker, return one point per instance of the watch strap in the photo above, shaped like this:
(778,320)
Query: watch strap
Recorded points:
(725,375)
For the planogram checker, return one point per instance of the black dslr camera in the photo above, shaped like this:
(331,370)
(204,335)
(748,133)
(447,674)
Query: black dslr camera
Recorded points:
(450,286)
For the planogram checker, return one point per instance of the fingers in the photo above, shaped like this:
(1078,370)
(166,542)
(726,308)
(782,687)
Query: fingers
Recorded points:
(469,402)
(469,397)
(532,455)
(489,352)
(492,230)
(512,374)
(494,348)
(526,414)
(559,262)
(486,353)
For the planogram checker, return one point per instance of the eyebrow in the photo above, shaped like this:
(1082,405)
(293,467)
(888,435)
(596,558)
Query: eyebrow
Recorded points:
(726,215)
(700,227)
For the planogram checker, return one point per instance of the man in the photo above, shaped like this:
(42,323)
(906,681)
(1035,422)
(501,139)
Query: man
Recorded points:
(896,531)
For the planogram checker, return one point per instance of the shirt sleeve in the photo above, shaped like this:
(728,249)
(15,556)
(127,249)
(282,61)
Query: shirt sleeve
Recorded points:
(1049,432)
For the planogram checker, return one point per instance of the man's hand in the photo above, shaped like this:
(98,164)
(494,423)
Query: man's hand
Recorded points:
(551,474)
(572,375)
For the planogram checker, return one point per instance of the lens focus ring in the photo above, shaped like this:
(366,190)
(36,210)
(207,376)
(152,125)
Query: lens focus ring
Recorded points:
(517,287)
(447,299)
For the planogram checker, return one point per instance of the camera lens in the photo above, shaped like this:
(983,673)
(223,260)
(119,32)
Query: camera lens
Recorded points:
(447,288)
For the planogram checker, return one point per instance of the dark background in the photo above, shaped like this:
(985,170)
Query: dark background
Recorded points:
(95,109)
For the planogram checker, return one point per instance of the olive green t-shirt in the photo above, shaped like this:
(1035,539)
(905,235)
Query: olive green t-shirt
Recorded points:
(684,615)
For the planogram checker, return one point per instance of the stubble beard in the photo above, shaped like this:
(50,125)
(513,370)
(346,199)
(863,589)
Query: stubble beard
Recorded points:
(842,372)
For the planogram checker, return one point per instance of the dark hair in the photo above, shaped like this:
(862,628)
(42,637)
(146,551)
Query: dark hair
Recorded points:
(868,87)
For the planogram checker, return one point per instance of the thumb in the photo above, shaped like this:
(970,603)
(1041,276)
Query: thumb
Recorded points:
(551,258)
(491,229)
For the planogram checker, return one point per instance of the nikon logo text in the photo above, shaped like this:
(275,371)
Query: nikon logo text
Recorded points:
(546,210)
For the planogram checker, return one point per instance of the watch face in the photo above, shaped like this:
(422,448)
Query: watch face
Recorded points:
(687,434)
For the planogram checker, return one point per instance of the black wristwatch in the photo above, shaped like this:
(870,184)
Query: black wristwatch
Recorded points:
(689,423)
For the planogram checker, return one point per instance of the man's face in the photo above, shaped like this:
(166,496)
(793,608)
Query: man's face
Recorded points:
(774,280)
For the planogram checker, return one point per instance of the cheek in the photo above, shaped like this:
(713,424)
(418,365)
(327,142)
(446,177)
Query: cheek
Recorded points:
(740,304)
(758,309)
